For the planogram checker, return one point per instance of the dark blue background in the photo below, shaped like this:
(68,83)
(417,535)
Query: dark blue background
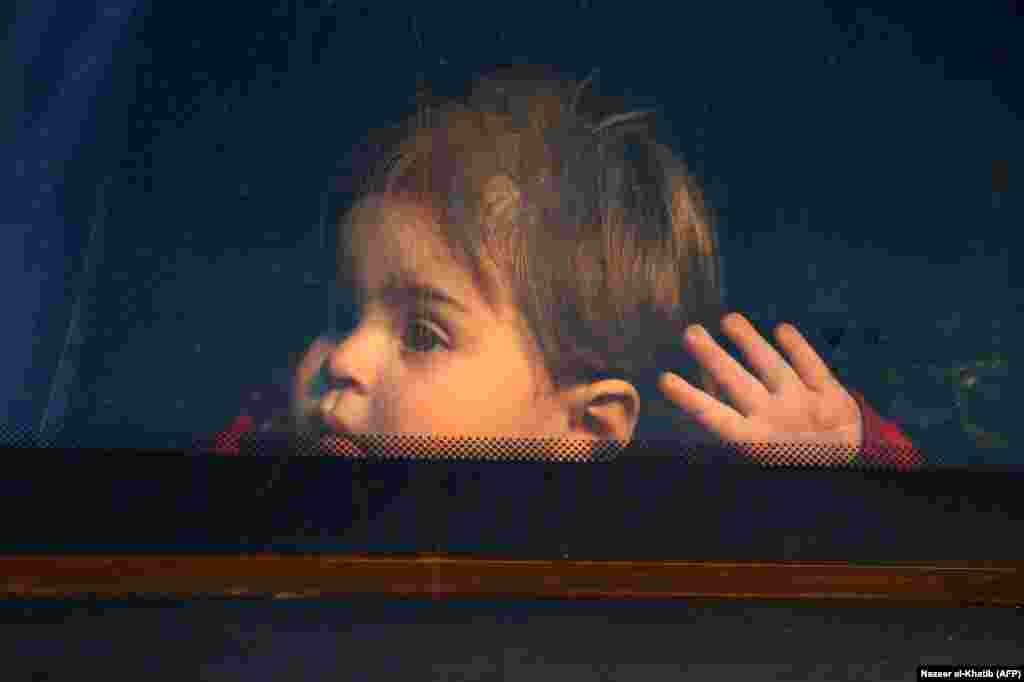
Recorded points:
(848,151)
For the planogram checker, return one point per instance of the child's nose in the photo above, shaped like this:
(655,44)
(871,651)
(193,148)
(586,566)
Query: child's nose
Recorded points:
(349,361)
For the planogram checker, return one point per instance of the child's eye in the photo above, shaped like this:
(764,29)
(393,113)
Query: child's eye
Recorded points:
(420,337)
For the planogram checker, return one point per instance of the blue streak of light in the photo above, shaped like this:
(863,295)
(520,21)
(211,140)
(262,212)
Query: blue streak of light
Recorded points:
(30,215)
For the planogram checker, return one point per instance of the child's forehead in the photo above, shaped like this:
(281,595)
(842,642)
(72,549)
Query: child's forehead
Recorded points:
(395,237)
(397,232)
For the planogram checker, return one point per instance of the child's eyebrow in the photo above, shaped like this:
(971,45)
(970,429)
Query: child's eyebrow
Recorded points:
(404,288)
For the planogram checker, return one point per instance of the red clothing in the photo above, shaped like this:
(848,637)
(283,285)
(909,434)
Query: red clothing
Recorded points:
(259,408)
(884,443)
(229,441)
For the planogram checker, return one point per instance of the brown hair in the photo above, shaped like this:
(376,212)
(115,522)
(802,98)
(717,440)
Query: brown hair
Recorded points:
(598,229)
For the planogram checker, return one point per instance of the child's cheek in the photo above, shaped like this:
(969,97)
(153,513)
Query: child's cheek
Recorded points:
(412,413)
(438,405)
(432,411)
(407,405)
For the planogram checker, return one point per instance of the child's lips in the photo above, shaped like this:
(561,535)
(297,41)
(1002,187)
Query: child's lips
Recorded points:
(338,439)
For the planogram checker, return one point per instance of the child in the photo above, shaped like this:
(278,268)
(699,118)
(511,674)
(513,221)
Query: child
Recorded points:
(525,263)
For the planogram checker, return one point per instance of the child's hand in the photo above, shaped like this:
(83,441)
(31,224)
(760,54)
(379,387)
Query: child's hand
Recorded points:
(801,402)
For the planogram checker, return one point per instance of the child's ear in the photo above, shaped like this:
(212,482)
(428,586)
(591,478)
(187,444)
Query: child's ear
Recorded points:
(607,409)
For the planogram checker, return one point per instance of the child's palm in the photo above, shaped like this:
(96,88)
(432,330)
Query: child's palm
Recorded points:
(796,402)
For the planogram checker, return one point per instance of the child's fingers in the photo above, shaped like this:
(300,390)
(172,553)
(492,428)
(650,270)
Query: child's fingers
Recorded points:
(713,415)
(742,388)
(805,360)
(770,366)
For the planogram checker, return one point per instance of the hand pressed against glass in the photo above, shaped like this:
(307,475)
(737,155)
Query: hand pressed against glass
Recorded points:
(799,401)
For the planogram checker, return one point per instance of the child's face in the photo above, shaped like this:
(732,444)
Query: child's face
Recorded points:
(427,366)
